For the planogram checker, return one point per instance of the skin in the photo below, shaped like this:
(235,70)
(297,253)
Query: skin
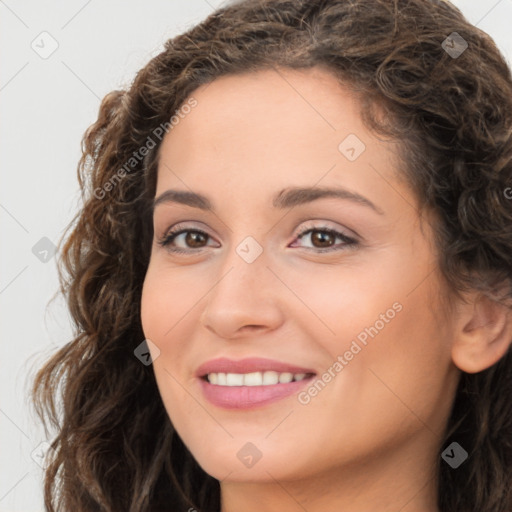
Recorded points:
(369,440)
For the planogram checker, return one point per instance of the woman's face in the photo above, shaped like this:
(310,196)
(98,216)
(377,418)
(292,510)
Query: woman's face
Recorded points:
(348,311)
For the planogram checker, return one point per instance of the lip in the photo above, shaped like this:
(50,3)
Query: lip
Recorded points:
(248,365)
(249,397)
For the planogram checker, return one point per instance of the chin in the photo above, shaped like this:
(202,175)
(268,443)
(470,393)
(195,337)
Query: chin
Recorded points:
(250,459)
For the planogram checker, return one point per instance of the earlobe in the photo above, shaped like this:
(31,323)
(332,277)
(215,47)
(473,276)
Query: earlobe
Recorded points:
(483,334)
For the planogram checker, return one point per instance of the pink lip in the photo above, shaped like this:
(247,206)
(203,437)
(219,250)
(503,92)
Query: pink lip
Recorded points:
(248,397)
(252,364)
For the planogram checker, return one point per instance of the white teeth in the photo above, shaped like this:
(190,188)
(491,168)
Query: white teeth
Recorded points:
(252,379)
(268,378)
(234,379)
(285,377)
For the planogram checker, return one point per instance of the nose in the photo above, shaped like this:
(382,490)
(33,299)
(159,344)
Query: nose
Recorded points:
(245,299)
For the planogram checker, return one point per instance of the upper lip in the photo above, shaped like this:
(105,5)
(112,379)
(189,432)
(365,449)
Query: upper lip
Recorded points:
(248,365)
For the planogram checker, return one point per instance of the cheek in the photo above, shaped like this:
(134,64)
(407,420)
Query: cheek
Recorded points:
(402,372)
(165,300)
(167,317)
(382,322)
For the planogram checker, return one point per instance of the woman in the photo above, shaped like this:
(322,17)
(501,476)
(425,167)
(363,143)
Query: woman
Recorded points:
(291,275)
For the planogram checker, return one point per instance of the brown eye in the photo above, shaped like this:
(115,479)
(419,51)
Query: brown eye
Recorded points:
(192,238)
(324,239)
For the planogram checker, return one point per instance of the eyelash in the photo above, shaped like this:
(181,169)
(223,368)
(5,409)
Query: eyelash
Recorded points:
(169,237)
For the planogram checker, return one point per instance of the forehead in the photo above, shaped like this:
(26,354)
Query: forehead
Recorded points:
(302,102)
(270,123)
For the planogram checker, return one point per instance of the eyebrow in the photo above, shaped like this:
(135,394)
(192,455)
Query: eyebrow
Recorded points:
(286,198)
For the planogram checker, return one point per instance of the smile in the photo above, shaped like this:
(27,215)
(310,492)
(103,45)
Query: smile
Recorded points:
(250,383)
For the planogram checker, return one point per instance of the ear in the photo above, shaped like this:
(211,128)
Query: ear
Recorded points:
(483,333)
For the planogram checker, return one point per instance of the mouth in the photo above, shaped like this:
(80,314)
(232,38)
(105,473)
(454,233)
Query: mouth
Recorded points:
(250,383)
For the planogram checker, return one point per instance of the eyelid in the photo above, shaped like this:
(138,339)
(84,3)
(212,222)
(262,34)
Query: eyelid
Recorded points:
(328,226)
(185,226)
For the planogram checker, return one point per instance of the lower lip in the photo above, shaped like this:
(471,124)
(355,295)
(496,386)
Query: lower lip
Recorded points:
(248,397)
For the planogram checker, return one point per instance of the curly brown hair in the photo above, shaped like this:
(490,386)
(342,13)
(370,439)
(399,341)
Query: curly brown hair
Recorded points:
(115,448)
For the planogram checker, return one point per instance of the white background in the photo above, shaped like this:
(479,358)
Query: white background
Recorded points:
(46,105)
